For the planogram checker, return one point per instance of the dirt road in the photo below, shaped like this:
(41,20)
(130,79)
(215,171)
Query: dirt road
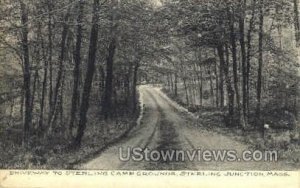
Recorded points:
(166,127)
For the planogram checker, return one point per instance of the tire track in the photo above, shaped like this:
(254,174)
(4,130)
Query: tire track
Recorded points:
(169,139)
(150,138)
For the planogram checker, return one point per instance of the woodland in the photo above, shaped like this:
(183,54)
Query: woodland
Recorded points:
(70,70)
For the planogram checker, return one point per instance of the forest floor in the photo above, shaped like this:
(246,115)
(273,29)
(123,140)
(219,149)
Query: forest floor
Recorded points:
(54,152)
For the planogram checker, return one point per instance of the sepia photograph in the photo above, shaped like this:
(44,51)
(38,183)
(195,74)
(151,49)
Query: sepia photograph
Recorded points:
(174,86)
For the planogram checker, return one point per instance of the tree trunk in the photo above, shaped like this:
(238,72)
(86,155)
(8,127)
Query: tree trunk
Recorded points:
(35,78)
(172,83)
(61,101)
(76,71)
(22,100)
(260,64)
(175,85)
(186,92)
(26,74)
(249,50)
(50,54)
(244,68)
(297,33)
(89,75)
(217,84)
(297,22)
(44,87)
(168,82)
(53,113)
(128,84)
(107,102)
(194,88)
(201,85)
(135,76)
(230,91)
(211,87)
(234,60)
(221,84)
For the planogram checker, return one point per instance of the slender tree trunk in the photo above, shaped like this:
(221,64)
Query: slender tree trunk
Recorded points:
(217,84)
(200,76)
(197,80)
(22,100)
(230,91)
(260,65)
(297,34)
(279,30)
(244,66)
(76,72)
(102,83)
(50,54)
(175,85)
(211,87)
(186,92)
(44,87)
(168,82)
(107,103)
(234,60)
(26,76)
(128,85)
(297,22)
(172,83)
(12,105)
(89,75)
(201,85)
(35,78)
(221,84)
(194,88)
(249,51)
(191,91)
(135,76)
(61,101)
(53,113)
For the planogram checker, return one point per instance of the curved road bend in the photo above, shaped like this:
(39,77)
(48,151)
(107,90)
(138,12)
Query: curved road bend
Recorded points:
(164,127)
